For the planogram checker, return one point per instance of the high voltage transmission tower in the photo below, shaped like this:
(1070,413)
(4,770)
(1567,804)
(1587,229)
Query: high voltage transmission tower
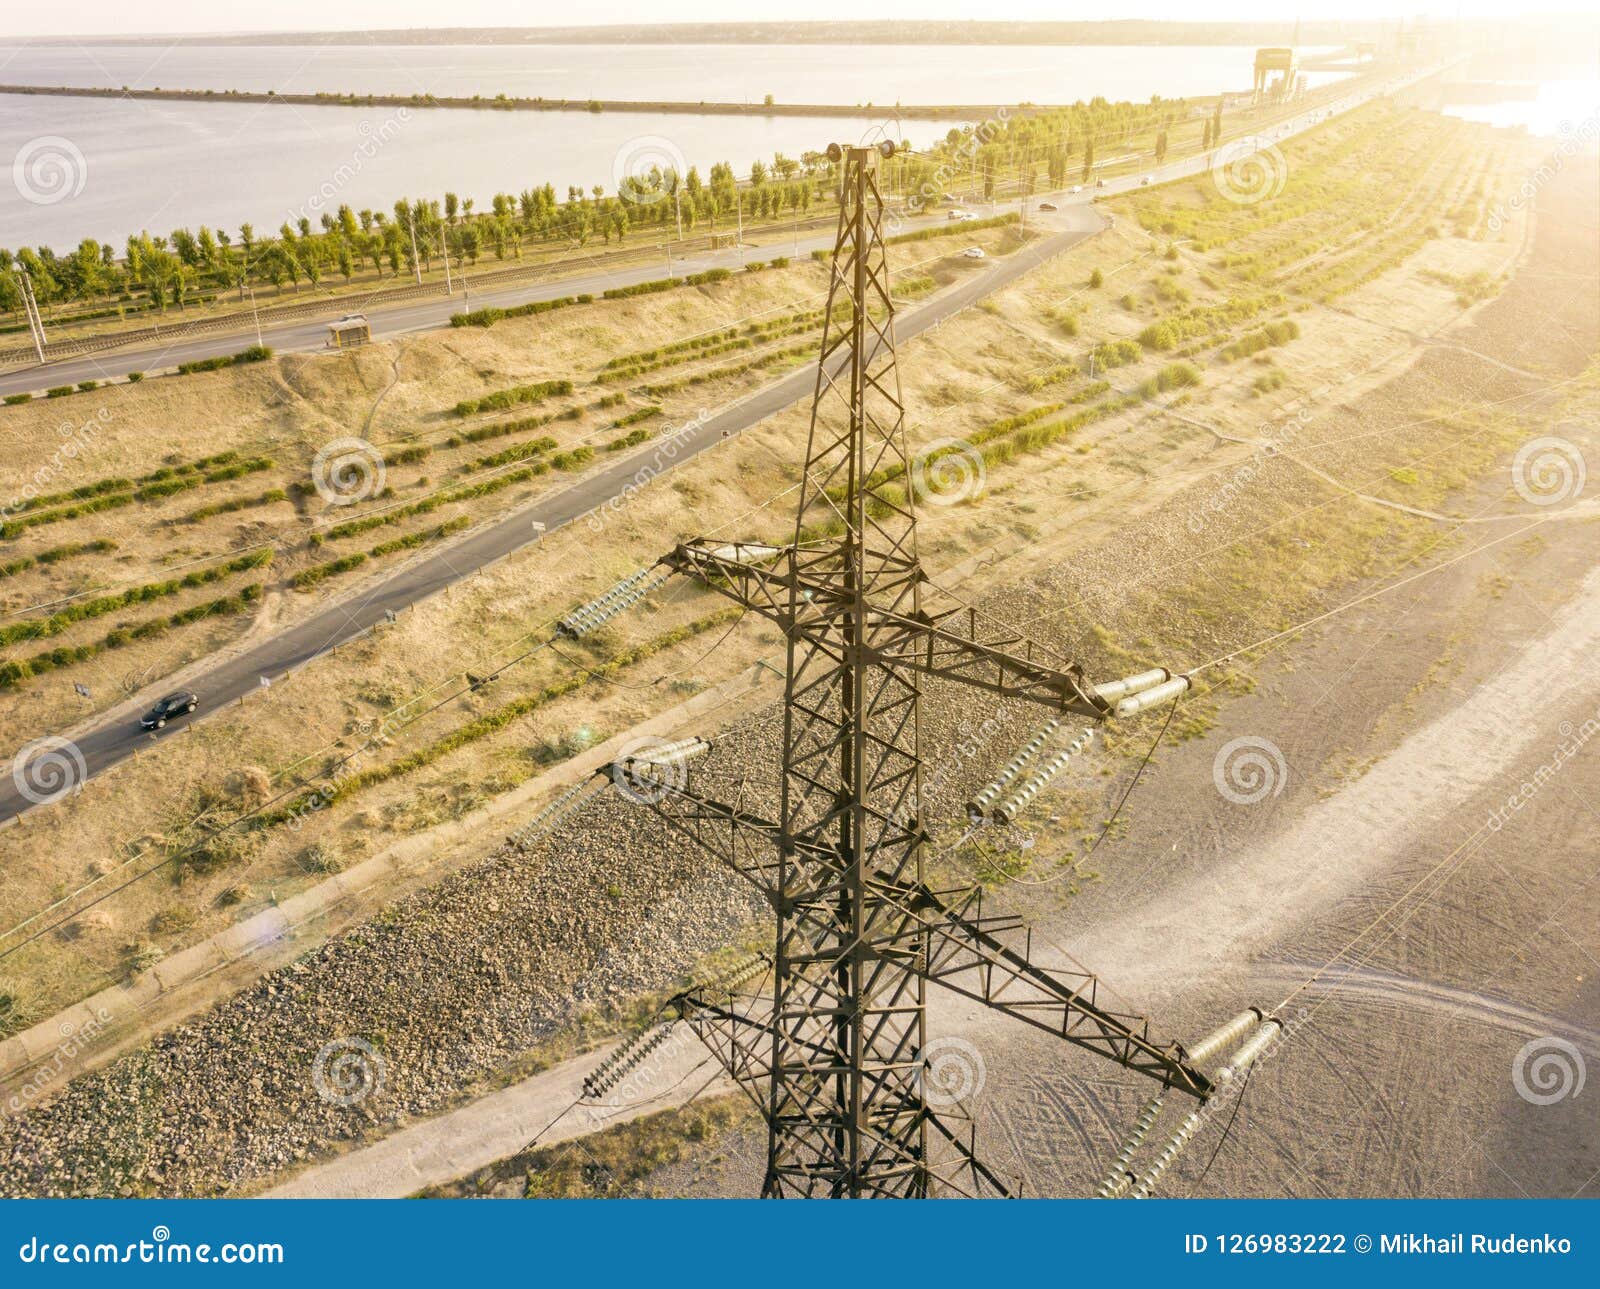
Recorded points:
(834,1055)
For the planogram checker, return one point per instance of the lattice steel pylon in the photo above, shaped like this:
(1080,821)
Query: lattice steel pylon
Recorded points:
(836,1061)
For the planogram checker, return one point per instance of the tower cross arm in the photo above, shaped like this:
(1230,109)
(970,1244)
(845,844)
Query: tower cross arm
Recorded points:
(777,583)
(952,945)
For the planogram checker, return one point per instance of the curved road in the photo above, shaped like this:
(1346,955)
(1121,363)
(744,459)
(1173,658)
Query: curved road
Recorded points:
(118,736)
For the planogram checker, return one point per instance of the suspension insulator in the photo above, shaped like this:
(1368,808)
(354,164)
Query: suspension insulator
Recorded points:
(1250,1051)
(744,552)
(674,753)
(1009,809)
(624,595)
(730,978)
(1119,1178)
(625,1058)
(551,814)
(1163,1161)
(1225,1036)
(986,796)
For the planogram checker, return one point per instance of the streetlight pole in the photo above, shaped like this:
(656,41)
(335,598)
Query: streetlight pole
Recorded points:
(257,316)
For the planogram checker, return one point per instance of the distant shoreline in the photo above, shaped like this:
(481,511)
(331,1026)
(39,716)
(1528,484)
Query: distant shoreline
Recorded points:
(506,103)
(1114,32)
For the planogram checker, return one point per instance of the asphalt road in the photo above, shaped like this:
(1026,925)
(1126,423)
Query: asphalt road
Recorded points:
(115,738)
(395,320)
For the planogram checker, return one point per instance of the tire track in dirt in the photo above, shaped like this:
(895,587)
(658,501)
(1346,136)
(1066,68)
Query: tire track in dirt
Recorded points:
(1407,993)
(1200,926)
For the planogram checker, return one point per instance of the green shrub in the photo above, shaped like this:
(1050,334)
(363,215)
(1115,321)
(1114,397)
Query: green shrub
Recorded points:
(506,398)
(252,354)
(1113,353)
(1160,336)
(488,317)
(320,858)
(1172,376)
(172,919)
(134,377)
(24,629)
(13,399)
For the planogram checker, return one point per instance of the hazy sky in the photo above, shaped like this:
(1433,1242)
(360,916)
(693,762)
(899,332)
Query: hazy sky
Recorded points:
(88,17)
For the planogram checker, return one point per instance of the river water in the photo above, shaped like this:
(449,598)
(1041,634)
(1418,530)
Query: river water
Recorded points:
(107,168)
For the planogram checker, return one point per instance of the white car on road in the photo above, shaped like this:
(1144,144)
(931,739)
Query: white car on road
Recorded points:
(973,253)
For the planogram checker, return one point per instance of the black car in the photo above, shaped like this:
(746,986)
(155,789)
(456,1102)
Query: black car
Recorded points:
(169,708)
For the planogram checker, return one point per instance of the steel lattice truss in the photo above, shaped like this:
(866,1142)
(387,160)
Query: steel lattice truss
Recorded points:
(833,1057)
